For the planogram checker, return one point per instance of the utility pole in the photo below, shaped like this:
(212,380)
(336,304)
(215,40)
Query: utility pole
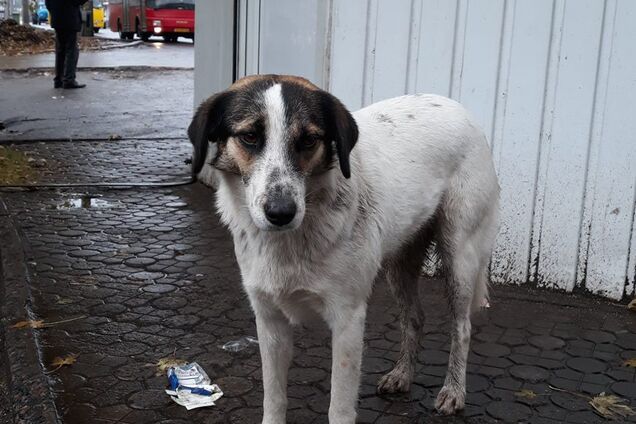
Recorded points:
(8,9)
(26,12)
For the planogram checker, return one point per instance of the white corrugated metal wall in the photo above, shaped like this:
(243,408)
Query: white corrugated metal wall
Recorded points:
(552,82)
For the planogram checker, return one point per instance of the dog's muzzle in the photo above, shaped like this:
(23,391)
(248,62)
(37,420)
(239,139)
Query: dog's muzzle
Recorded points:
(280,210)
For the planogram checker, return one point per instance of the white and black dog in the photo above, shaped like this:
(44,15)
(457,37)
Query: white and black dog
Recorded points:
(311,239)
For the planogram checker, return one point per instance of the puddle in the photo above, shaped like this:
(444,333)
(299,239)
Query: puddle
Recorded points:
(84,202)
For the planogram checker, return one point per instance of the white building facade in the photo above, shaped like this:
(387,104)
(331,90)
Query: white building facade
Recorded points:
(552,82)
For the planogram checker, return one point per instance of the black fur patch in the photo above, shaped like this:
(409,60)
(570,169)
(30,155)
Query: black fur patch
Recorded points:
(307,109)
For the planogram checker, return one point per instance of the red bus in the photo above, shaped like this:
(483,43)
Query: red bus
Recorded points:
(166,18)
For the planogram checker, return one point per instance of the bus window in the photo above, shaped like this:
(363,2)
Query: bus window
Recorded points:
(171,4)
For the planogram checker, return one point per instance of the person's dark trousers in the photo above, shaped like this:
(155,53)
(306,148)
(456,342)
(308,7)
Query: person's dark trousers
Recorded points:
(66,55)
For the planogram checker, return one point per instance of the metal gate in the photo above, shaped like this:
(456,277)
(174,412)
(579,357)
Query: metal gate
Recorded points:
(552,82)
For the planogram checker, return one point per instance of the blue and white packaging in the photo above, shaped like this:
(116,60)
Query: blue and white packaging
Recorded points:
(190,386)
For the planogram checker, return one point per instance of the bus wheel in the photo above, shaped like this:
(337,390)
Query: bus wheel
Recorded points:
(145,36)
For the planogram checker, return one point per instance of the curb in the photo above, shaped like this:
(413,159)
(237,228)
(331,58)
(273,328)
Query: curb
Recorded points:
(122,44)
(29,390)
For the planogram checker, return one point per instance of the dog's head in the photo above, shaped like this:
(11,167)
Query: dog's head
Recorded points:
(275,132)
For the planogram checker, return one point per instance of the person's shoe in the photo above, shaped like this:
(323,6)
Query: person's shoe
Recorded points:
(57,84)
(74,84)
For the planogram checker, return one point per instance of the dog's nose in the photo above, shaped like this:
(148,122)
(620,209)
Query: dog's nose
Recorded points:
(280,210)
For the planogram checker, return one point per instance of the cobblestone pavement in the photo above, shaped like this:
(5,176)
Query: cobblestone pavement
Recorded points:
(101,162)
(5,405)
(145,274)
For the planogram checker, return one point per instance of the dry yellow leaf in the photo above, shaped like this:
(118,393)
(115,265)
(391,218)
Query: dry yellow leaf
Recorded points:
(60,361)
(28,324)
(630,363)
(69,359)
(41,324)
(166,363)
(632,305)
(610,406)
(526,394)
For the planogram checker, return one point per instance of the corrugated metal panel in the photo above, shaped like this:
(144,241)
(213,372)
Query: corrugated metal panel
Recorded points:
(552,82)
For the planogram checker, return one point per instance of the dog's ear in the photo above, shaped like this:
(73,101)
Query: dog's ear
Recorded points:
(341,128)
(207,126)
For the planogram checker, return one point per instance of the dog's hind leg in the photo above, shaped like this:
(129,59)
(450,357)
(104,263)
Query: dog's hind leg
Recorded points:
(402,273)
(465,247)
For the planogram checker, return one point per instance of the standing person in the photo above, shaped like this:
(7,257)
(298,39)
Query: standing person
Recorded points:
(66,18)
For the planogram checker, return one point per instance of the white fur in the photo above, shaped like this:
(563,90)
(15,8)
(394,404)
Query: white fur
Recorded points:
(274,158)
(416,155)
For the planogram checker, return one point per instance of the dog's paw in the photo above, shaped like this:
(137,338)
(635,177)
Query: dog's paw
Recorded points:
(395,381)
(450,400)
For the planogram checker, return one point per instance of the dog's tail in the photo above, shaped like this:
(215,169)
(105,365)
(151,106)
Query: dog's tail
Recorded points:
(481,296)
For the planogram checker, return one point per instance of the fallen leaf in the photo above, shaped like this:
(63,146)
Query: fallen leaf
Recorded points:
(610,406)
(60,361)
(630,363)
(28,324)
(526,394)
(632,305)
(166,363)
(41,324)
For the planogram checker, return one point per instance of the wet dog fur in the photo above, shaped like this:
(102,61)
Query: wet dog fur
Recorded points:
(321,203)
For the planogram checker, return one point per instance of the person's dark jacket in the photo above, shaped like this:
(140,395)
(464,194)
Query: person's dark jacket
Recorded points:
(65,14)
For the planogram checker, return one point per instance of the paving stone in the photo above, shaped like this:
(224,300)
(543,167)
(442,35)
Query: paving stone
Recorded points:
(546,342)
(139,262)
(627,341)
(625,389)
(529,373)
(159,288)
(145,276)
(149,399)
(583,417)
(234,386)
(181,321)
(491,349)
(569,402)
(586,365)
(596,336)
(509,412)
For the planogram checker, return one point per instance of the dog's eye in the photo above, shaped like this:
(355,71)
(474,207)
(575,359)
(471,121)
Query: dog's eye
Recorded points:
(308,143)
(249,139)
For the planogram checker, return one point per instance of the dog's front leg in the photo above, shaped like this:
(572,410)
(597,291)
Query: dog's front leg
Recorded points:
(275,339)
(347,326)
